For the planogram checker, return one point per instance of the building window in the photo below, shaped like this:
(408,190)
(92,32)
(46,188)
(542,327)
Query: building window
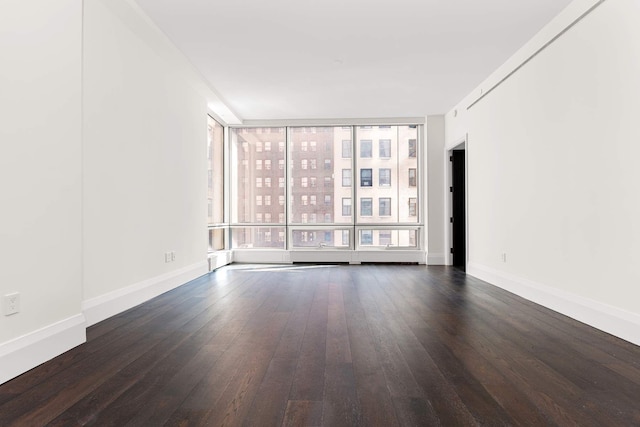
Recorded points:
(346,149)
(384,178)
(412,177)
(384,148)
(346,177)
(346,206)
(366,177)
(413,206)
(412,147)
(366,206)
(384,206)
(366,148)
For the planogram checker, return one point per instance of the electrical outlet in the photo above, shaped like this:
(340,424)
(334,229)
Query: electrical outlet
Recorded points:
(11,303)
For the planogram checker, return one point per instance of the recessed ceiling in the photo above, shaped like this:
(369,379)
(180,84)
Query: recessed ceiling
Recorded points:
(337,59)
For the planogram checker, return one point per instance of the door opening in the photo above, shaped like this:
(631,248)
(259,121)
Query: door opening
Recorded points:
(458,214)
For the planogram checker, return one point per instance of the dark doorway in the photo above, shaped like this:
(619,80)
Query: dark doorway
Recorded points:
(458,210)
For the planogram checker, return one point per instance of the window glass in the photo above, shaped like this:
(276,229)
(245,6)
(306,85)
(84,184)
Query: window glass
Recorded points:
(384,177)
(322,184)
(384,148)
(346,207)
(251,188)
(412,177)
(412,147)
(316,195)
(366,178)
(215,173)
(366,148)
(366,206)
(346,177)
(346,148)
(393,176)
(384,206)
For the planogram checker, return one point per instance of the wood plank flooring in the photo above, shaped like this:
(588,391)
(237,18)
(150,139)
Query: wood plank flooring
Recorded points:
(370,345)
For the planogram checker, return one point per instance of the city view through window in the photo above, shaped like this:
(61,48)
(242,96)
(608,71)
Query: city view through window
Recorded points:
(331,186)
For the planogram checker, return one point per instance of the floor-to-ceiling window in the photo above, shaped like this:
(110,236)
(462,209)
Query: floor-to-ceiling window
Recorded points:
(258,187)
(387,190)
(318,165)
(335,187)
(215,186)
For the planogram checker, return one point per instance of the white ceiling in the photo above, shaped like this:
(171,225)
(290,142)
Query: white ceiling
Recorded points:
(337,59)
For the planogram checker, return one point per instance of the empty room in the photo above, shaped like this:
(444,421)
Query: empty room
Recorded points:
(303,213)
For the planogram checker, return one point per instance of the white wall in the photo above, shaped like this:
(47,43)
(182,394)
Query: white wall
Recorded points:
(40,227)
(435,131)
(553,175)
(144,162)
(102,170)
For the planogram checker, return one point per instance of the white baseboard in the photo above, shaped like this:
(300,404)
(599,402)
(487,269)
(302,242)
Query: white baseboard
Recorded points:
(100,308)
(28,351)
(615,321)
(436,259)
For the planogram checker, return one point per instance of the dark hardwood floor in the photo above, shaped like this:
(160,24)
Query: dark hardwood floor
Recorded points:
(371,345)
